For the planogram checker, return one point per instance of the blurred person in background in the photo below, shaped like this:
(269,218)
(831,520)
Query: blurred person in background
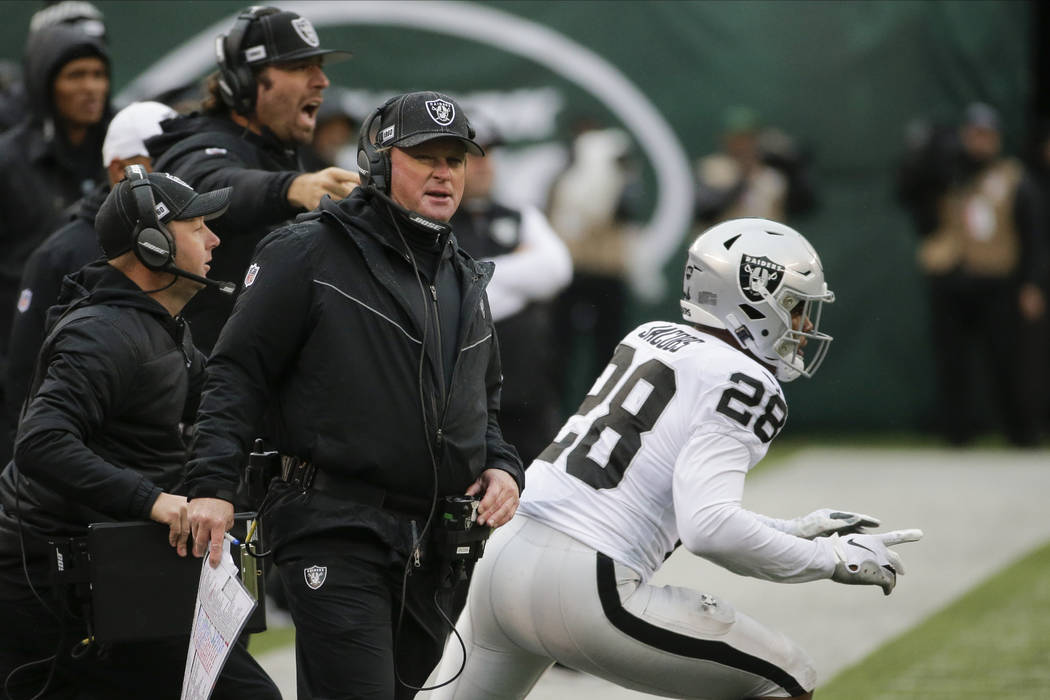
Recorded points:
(532,266)
(985,264)
(593,207)
(261,108)
(53,157)
(73,245)
(760,172)
(82,15)
(656,457)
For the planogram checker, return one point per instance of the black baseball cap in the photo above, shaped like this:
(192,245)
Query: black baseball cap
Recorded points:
(418,117)
(283,37)
(173,200)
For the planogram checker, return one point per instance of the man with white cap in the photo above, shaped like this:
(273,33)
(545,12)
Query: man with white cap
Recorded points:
(72,246)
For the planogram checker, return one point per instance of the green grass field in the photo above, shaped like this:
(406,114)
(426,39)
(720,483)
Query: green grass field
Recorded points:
(992,643)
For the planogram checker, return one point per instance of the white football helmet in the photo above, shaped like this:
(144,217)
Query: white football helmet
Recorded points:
(748,276)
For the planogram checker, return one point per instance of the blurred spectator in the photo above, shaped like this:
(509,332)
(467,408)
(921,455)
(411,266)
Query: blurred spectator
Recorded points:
(1040,173)
(72,246)
(590,207)
(760,173)
(54,157)
(532,266)
(82,15)
(984,257)
(335,135)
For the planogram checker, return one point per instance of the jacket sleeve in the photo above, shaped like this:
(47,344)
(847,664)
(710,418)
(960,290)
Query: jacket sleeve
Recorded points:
(92,366)
(499,454)
(259,199)
(262,337)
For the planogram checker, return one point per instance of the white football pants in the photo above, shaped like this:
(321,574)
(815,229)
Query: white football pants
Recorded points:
(539,596)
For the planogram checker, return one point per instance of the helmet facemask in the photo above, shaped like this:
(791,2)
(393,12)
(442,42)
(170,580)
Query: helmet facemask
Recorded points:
(798,351)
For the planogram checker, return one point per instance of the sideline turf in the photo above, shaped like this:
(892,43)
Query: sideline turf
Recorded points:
(994,642)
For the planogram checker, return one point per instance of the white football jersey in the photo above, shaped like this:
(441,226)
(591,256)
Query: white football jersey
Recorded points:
(668,396)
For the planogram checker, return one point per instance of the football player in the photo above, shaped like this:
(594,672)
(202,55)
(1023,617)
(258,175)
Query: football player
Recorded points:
(656,454)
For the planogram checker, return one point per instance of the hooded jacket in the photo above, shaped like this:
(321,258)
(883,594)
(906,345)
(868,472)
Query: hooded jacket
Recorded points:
(101,437)
(336,336)
(41,173)
(211,152)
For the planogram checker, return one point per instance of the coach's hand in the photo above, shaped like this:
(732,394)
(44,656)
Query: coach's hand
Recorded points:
(209,518)
(500,499)
(307,189)
(827,521)
(868,559)
(170,510)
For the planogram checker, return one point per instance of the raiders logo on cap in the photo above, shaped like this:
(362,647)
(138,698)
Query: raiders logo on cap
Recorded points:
(306,31)
(441,111)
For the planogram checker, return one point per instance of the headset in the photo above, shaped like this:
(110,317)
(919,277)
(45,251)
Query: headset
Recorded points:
(237,84)
(373,164)
(154,246)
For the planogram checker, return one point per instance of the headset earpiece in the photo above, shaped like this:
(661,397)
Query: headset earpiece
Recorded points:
(373,163)
(237,84)
(153,245)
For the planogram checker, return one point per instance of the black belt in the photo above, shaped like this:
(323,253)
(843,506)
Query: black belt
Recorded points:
(356,490)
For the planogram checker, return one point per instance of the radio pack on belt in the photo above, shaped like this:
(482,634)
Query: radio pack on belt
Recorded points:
(458,539)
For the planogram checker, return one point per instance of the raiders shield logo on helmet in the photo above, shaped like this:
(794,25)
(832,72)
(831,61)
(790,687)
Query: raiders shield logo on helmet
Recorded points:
(306,31)
(315,576)
(441,111)
(757,273)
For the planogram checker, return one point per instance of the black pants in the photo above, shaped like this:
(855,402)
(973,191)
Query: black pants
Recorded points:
(977,334)
(126,671)
(344,593)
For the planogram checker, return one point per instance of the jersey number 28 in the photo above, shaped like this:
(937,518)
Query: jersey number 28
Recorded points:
(605,452)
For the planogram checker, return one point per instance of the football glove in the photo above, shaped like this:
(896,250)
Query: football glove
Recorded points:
(827,521)
(867,559)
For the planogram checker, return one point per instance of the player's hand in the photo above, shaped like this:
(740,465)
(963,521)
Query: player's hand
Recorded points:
(170,510)
(209,518)
(500,499)
(307,189)
(867,559)
(827,521)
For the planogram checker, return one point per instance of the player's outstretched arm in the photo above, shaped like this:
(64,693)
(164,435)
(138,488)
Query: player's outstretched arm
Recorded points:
(867,560)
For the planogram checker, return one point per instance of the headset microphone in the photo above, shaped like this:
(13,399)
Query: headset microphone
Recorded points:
(224,287)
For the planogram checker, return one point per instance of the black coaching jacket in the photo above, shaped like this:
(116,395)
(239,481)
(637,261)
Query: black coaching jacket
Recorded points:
(101,437)
(326,338)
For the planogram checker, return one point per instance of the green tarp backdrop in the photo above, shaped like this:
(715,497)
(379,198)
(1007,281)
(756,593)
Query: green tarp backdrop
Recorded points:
(842,77)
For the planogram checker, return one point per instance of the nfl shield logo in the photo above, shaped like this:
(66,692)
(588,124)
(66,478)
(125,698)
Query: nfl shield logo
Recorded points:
(441,111)
(315,576)
(757,273)
(24,300)
(306,32)
(253,272)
